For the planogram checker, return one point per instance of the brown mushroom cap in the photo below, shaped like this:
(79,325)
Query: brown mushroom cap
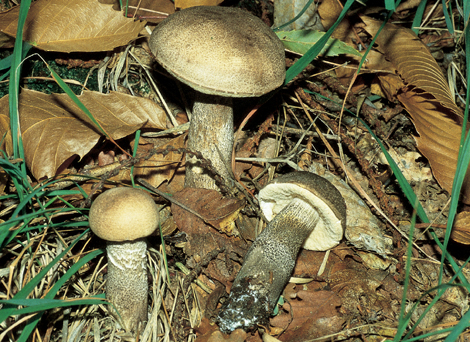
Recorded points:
(316,191)
(220,51)
(123,214)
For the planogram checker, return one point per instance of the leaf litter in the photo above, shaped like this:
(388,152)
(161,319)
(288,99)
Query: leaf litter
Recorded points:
(354,290)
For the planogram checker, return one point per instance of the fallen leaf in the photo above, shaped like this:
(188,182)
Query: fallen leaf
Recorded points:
(55,129)
(426,96)
(310,308)
(72,25)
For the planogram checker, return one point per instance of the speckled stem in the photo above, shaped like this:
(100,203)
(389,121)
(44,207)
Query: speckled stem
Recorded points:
(267,268)
(127,283)
(211,125)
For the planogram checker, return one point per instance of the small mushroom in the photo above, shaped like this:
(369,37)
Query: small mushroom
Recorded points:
(124,217)
(305,211)
(221,53)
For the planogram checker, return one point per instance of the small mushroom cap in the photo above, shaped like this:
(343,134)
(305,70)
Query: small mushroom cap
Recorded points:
(123,214)
(320,194)
(220,51)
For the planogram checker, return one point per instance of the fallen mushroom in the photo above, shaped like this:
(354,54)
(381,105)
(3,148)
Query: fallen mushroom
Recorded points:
(305,211)
(220,52)
(124,217)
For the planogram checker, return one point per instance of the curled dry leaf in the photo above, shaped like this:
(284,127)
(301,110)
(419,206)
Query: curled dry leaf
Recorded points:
(72,25)
(55,129)
(424,92)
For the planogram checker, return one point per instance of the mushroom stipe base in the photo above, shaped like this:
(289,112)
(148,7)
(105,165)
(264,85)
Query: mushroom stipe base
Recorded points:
(267,268)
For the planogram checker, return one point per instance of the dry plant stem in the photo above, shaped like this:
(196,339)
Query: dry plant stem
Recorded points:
(211,133)
(127,287)
(188,279)
(365,165)
(267,268)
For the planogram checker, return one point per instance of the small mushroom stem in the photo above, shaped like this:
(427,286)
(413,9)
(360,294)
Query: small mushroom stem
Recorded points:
(211,133)
(267,268)
(127,283)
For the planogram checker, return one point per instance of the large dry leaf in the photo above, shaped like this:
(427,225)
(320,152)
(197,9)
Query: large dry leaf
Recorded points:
(424,92)
(55,129)
(72,25)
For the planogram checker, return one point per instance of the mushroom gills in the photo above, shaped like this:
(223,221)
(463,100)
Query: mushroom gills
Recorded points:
(267,268)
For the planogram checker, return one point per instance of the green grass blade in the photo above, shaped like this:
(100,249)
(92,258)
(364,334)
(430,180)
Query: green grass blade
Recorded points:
(309,56)
(41,304)
(441,289)
(5,63)
(418,16)
(76,100)
(409,253)
(29,287)
(29,328)
(447,17)
(14,84)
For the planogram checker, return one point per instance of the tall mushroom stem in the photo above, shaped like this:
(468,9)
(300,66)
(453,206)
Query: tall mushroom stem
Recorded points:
(211,133)
(126,284)
(267,267)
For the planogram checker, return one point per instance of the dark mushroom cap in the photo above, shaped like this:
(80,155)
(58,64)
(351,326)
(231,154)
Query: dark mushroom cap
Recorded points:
(220,51)
(316,191)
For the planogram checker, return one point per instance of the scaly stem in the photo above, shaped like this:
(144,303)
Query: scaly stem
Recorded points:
(267,268)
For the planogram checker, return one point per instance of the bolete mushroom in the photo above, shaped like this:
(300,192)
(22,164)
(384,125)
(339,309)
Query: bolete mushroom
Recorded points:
(221,53)
(306,210)
(124,217)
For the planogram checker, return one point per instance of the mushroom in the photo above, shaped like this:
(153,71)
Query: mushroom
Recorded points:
(124,217)
(221,53)
(305,211)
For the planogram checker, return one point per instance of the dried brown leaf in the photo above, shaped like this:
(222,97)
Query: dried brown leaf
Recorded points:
(72,25)
(439,136)
(55,129)
(413,61)
(426,96)
(315,314)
